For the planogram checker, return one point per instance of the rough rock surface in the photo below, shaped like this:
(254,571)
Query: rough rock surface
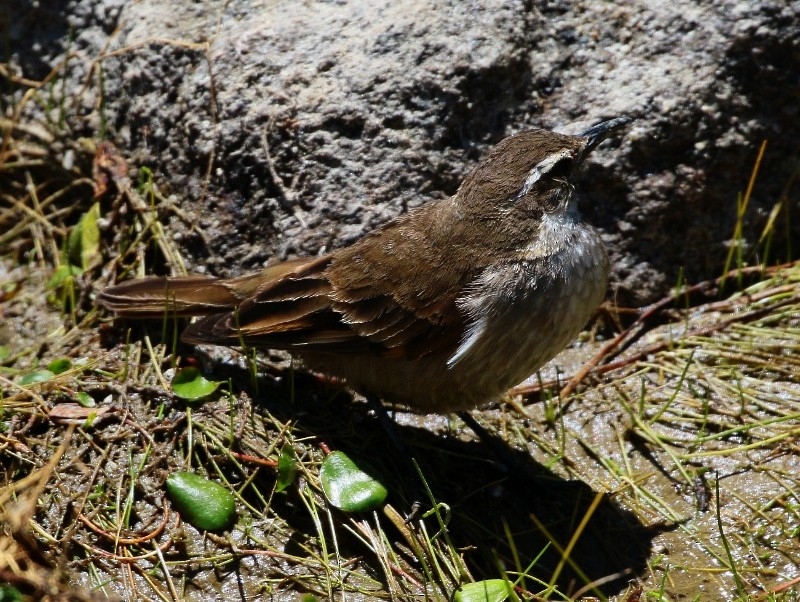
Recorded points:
(368,108)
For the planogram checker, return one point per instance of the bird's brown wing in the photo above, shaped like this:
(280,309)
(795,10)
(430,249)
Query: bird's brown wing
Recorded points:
(394,294)
(308,310)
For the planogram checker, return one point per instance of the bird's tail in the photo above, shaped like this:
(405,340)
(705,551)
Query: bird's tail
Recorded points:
(157,297)
(178,296)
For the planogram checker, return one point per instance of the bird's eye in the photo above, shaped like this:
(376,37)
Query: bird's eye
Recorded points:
(554,167)
(562,168)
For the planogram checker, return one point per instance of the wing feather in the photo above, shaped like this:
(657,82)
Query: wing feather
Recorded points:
(305,312)
(361,299)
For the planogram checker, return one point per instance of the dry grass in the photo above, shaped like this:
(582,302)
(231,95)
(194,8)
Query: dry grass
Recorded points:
(670,466)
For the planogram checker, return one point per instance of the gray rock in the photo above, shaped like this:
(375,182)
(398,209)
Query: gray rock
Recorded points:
(370,108)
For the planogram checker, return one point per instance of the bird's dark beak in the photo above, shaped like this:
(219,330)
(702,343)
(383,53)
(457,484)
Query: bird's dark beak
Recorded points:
(597,133)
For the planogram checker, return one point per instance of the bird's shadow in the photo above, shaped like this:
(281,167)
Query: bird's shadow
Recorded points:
(505,510)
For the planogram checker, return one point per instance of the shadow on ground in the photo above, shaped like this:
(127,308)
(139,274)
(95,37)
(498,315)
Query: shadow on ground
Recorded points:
(506,510)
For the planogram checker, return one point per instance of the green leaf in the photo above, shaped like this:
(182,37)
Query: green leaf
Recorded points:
(202,503)
(87,424)
(4,352)
(60,365)
(85,399)
(190,385)
(9,593)
(64,273)
(83,244)
(287,468)
(347,486)
(38,376)
(490,590)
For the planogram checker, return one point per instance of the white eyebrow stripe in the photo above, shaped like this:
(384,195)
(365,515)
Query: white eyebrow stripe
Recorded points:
(540,169)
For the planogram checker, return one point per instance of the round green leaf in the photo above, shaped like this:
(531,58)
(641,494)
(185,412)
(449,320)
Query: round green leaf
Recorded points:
(60,365)
(85,399)
(348,487)
(190,385)
(202,503)
(490,590)
(35,377)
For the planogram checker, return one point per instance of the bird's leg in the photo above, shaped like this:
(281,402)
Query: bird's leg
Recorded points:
(406,464)
(497,446)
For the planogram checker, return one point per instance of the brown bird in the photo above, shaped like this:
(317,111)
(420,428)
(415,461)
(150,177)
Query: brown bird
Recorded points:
(442,309)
